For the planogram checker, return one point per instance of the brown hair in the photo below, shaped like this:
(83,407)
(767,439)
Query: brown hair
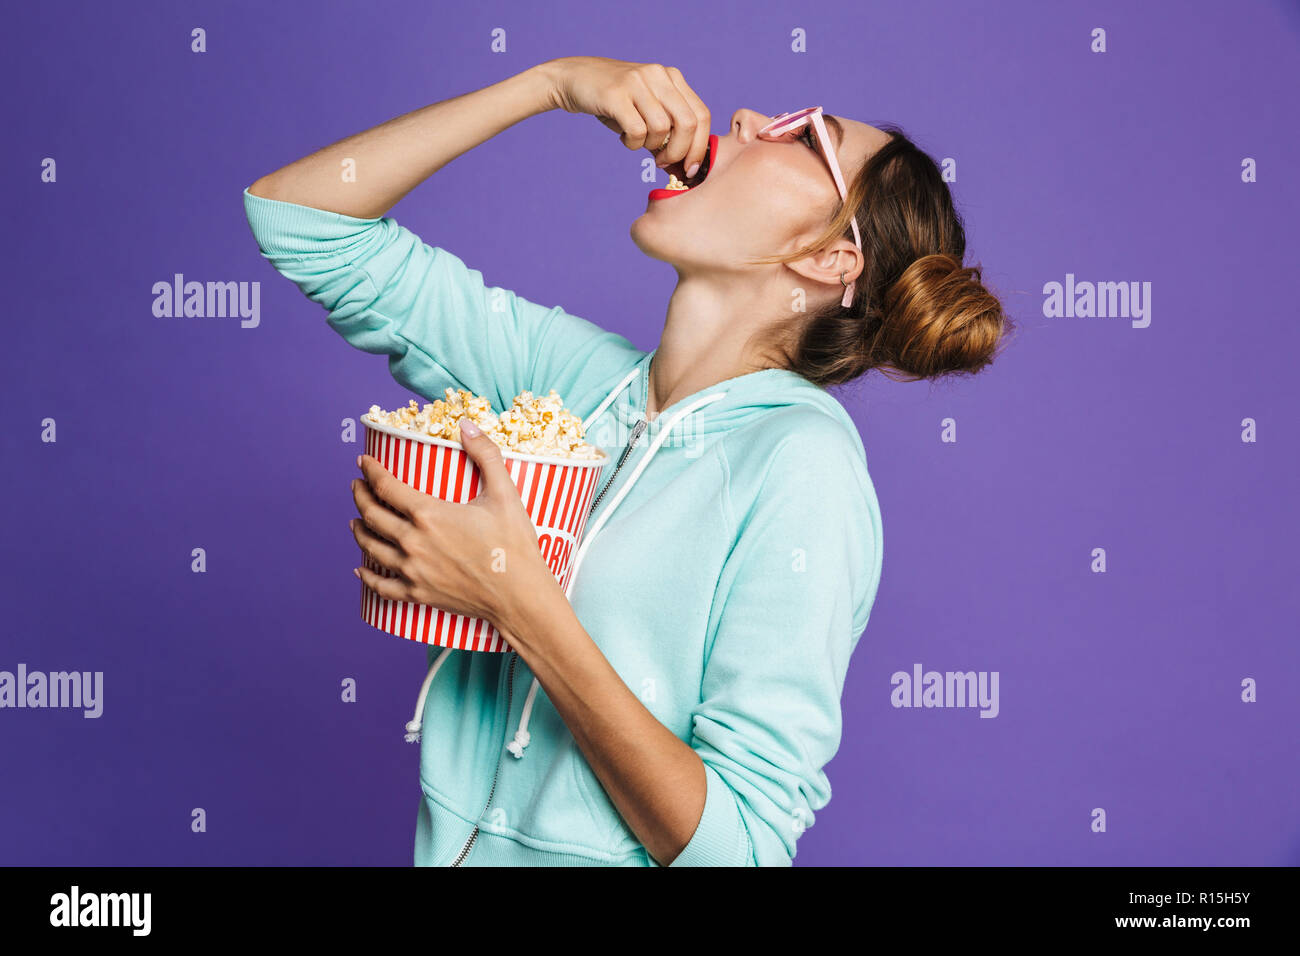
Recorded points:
(916,309)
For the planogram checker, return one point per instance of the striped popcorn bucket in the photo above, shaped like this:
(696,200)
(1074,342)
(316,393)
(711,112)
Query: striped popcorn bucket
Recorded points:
(556,491)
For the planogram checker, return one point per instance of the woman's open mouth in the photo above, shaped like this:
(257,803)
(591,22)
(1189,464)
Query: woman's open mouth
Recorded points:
(680,186)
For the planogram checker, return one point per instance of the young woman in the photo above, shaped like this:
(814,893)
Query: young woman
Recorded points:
(684,698)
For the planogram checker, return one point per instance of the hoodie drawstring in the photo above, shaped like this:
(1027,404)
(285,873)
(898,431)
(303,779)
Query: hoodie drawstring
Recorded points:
(415,723)
(517,745)
(627,380)
(522,737)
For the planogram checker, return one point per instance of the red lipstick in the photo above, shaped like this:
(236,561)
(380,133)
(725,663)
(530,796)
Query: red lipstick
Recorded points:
(700,175)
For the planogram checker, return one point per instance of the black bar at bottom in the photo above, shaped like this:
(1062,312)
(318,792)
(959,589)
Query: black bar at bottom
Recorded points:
(337,904)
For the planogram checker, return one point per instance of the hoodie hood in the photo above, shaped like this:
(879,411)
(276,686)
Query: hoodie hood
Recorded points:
(746,397)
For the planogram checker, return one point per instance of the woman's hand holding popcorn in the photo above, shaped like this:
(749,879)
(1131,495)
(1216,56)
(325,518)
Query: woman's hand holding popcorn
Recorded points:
(479,559)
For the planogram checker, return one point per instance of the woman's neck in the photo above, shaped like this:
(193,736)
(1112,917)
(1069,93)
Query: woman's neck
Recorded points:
(708,337)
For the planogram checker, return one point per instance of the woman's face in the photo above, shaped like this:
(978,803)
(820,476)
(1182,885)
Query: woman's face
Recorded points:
(760,197)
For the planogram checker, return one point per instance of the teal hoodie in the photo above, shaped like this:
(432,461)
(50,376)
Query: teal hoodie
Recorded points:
(726,573)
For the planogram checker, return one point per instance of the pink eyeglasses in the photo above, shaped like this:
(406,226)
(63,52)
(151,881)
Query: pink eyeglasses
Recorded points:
(789,123)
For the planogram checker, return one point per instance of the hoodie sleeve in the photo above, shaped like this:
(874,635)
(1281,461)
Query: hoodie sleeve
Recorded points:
(389,293)
(796,592)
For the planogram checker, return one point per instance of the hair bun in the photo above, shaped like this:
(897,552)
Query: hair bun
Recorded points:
(938,319)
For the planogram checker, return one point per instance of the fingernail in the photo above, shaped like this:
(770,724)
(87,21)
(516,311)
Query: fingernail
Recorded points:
(358,461)
(692,170)
(357,573)
(469,428)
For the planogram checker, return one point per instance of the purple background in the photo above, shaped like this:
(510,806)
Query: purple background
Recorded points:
(222,690)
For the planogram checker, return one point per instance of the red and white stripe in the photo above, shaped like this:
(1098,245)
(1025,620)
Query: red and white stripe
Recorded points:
(556,496)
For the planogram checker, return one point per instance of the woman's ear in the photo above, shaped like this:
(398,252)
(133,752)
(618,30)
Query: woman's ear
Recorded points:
(827,265)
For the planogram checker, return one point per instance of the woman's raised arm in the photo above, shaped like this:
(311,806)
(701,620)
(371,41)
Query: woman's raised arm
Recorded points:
(388,292)
(642,102)
(394,157)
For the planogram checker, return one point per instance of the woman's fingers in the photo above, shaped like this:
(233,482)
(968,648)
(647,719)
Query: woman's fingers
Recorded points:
(378,549)
(699,145)
(626,120)
(376,514)
(683,120)
(389,489)
(643,120)
(394,589)
(668,116)
(659,105)
(658,123)
(644,103)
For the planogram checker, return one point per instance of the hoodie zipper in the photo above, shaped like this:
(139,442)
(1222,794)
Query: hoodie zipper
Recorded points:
(510,689)
(637,429)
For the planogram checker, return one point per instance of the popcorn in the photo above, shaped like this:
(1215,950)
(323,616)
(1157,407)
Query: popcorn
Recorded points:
(531,426)
(675,183)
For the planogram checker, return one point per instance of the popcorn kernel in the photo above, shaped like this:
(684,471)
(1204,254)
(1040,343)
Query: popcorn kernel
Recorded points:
(531,426)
